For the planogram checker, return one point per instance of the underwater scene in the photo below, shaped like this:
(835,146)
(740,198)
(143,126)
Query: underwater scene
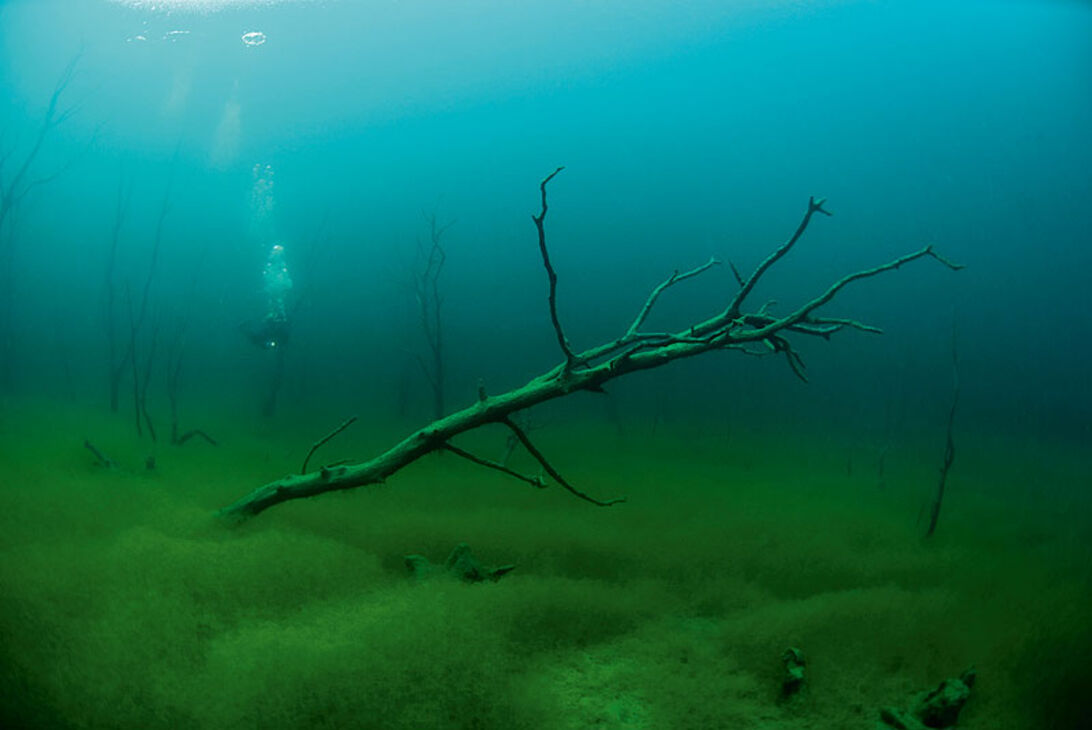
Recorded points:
(560,364)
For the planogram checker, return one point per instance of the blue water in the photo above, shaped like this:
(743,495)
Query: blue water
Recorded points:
(686,132)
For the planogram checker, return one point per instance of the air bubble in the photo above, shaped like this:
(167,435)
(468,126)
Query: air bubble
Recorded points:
(254,38)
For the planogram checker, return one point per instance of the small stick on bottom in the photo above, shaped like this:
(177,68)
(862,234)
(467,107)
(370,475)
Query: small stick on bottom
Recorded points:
(102,458)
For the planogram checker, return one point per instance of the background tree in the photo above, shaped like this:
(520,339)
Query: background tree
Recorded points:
(19,176)
(431,257)
(116,363)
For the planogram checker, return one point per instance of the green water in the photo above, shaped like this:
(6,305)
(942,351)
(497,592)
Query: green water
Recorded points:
(125,603)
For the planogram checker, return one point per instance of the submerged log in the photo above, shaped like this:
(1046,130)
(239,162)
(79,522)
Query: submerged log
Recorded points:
(756,332)
(938,708)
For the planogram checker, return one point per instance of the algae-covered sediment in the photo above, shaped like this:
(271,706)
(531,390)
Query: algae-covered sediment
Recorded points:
(124,603)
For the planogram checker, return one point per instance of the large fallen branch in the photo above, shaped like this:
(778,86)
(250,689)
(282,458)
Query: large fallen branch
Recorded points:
(635,350)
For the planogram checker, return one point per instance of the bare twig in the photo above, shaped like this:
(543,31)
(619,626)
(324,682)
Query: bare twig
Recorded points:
(735,273)
(315,446)
(814,206)
(801,314)
(675,278)
(551,275)
(535,481)
(554,473)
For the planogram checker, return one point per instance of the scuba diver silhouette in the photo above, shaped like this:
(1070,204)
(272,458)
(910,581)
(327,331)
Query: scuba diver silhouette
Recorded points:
(273,330)
(268,333)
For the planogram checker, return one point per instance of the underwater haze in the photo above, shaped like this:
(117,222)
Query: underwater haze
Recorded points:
(228,228)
